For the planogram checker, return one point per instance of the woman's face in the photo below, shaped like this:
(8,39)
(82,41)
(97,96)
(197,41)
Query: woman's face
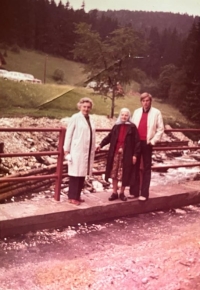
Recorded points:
(85,108)
(124,116)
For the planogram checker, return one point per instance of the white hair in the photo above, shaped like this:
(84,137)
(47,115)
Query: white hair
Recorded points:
(119,117)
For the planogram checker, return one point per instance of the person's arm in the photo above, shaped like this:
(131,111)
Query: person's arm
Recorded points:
(69,135)
(159,129)
(137,147)
(105,141)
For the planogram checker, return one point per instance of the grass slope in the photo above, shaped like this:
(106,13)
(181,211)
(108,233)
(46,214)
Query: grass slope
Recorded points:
(56,101)
(33,62)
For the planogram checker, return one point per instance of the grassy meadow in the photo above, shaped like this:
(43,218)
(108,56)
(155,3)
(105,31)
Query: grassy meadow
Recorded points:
(42,66)
(59,100)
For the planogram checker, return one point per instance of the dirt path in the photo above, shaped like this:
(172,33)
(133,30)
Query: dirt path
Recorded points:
(155,251)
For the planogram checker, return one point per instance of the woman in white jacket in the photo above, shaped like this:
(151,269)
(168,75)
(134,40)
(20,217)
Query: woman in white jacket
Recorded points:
(79,148)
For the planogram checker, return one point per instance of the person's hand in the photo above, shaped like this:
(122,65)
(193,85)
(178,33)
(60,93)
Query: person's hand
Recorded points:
(134,159)
(98,148)
(68,158)
(120,150)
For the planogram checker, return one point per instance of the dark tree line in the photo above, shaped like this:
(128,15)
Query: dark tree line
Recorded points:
(190,101)
(169,54)
(42,25)
(143,21)
(178,80)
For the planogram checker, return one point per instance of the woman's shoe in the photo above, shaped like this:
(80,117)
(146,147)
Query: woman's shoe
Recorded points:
(142,198)
(122,197)
(114,196)
(81,200)
(74,201)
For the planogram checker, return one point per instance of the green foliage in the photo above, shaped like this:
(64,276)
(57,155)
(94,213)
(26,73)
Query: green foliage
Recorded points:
(171,46)
(55,101)
(191,53)
(15,48)
(5,54)
(141,20)
(153,61)
(190,106)
(47,26)
(138,75)
(21,99)
(150,86)
(58,75)
(89,48)
(111,58)
(191,65)
(178,88)
(3,46)
(33,62)
(165,79)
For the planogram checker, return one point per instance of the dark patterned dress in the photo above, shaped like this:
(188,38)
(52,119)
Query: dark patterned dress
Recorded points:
(117,169)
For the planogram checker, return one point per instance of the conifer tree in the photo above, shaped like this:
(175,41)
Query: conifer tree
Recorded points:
(191,65)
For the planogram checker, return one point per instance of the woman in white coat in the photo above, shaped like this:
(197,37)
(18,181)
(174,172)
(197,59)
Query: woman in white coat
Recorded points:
(79,148)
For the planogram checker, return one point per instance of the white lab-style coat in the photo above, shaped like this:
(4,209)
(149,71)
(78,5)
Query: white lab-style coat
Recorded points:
(155,126)
(77,143)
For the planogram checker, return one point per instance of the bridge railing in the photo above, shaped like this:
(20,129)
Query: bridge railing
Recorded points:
(59,152)
(59,175)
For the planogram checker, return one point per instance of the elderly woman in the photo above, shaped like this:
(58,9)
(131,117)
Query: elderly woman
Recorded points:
(79,148)
(122,155)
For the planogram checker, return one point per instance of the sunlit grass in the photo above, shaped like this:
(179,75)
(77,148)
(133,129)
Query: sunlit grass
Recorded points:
(56,100)
(42,66)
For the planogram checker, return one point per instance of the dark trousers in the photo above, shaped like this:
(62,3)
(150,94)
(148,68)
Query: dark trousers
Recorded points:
(143,182)
(75,186)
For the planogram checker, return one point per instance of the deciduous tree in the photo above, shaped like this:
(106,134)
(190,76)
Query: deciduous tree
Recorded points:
(112,58)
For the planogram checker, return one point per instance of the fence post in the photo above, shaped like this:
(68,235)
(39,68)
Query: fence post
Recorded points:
(59,169)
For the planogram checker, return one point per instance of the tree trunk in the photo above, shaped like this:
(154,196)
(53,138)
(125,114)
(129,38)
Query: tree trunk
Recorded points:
(113,103)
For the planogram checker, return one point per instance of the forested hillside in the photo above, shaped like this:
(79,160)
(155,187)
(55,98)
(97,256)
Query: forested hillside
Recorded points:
(144,21)
(161,50)
(42,25)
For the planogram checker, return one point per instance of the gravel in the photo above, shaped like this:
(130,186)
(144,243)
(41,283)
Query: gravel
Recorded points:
(159,250)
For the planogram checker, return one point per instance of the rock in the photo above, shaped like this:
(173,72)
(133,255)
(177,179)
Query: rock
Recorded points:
(180,211)
(145,280)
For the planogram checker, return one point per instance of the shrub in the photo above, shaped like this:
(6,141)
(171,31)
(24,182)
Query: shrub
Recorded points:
(149,86)
(15,48)
(138,75)
(5,53)
(58,75)
(4,46)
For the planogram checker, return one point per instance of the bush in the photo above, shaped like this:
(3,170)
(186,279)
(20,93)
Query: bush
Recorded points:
(149,86)
(3,46)
(178,88)
(5,53)
(138,75)
(165,80)
(15,48)
(58,75)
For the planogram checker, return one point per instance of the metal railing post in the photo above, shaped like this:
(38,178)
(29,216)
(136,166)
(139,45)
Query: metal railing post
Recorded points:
(59,169)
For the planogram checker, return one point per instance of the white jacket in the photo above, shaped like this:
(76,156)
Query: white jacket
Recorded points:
(77,143)
(155,126)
